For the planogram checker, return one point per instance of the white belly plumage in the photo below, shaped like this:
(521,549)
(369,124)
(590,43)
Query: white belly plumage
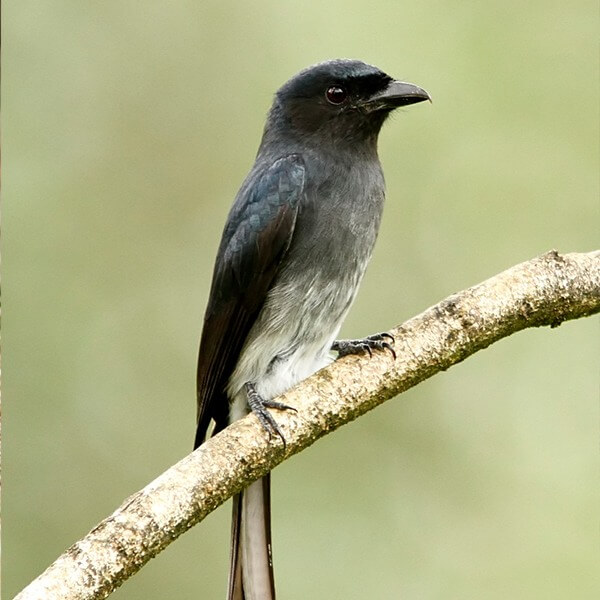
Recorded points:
(291,339)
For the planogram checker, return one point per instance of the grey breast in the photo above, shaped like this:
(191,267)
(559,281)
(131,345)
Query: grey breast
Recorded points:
(333,239)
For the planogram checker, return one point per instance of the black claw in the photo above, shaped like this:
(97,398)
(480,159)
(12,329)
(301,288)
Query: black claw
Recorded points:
(375,337)
(389,347)
(373,342)
(278,405)
(259,407)
(365,347)
(381,336)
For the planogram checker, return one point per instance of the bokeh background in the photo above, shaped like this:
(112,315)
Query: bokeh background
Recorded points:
(129,127)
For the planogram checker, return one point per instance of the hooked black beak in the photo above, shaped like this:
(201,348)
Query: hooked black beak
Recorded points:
(397,93)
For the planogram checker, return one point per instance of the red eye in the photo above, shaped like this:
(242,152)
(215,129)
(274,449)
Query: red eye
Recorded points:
(336,94)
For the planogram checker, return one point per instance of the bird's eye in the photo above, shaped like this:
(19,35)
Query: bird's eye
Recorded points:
(336,94)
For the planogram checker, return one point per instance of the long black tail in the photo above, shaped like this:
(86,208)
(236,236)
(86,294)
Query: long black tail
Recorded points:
(251,567)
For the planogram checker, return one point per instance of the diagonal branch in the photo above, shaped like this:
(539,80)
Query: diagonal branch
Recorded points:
(547,290)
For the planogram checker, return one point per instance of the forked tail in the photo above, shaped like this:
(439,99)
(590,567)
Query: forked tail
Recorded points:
(251,566)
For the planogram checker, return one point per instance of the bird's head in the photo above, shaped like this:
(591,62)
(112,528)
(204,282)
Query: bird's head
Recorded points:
(340,101)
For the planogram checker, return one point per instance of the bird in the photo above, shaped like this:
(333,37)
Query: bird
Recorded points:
(293,251)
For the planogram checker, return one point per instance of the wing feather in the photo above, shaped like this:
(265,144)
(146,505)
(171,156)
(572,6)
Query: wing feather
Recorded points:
(257,235)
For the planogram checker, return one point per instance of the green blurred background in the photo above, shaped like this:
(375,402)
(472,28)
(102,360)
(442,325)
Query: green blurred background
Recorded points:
(129,127)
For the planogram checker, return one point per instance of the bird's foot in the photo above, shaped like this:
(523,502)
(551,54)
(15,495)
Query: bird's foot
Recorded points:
(373,342)
(259,406)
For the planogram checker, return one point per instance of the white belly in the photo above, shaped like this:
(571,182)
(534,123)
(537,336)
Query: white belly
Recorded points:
(291,340)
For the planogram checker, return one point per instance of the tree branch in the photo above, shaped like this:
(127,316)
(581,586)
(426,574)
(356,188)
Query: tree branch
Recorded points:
(547,290)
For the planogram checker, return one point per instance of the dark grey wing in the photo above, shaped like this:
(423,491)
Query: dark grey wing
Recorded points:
(256,237)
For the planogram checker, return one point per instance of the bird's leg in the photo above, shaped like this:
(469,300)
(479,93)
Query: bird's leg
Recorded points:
(368,344)
(259,406)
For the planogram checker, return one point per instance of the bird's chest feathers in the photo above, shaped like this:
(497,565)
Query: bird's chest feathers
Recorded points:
(333,238)
(342,210)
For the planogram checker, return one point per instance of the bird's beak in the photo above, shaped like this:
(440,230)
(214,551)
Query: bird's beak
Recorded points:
(397,93)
